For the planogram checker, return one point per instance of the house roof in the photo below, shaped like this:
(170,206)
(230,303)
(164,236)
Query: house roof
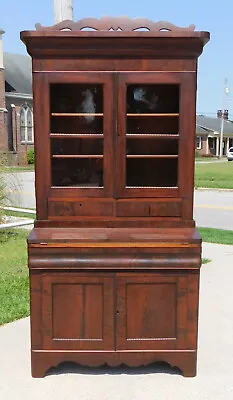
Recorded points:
(205,124)
(201,130)
(18,72)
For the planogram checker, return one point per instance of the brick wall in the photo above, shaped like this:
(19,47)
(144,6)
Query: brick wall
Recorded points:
(204,146)
(3,114)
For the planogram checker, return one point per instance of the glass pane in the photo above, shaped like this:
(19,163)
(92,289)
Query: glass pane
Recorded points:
(76,98)
(29,132)
(153,125)
(22,117)
(153,98)
(29,118)
(152,146)
(77,172)
(77,146)
(76,108)
(76,125)
(151,172)
(152,109)
(22,133)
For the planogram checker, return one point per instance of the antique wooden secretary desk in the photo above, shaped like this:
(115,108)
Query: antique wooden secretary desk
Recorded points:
(114,256)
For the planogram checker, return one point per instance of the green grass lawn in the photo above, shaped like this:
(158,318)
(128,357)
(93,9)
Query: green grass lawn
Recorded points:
(19,214)
(206,159)
(20,168)
(214,175)
(14,290)
(211,235)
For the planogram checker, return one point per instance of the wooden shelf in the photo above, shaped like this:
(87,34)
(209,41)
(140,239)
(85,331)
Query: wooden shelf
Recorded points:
(151,156)
(76,135)
(152,136)
(77,114)
(77,156)
(154,115)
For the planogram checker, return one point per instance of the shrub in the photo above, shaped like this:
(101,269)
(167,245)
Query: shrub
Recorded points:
(31,156)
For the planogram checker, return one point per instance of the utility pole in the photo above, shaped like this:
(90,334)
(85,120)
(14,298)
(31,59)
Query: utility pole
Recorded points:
(226,91)
(63,10)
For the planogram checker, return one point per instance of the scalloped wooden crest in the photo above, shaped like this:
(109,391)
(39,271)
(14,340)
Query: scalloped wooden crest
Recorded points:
(124,24)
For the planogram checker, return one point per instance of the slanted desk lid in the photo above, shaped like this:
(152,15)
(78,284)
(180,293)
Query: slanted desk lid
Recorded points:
(114,237)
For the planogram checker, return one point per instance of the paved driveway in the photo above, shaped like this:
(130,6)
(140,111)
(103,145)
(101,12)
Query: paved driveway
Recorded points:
(215,372)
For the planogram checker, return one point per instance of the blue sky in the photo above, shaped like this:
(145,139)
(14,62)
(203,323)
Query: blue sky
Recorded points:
(215,64)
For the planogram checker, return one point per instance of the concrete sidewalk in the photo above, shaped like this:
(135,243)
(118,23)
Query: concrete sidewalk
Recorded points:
(214,380)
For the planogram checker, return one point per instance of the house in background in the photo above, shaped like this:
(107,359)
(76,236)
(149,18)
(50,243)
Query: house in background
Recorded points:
(16,113)
(208,132)
(16,105)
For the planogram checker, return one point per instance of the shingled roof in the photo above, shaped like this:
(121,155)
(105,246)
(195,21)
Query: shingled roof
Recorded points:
(18,72)
(205,124)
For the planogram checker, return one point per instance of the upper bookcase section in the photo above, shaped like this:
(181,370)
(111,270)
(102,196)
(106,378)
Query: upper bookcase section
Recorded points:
(133,38)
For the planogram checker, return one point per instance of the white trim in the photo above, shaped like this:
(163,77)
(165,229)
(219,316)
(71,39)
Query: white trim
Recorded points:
(19,95)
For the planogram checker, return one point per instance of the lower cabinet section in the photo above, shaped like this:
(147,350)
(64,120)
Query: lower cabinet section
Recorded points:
(135,318)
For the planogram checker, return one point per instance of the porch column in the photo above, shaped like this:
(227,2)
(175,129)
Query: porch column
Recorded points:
(227,145)
(207,145)
(217,146)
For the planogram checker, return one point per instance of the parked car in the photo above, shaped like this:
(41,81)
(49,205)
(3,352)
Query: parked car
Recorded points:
(230,154)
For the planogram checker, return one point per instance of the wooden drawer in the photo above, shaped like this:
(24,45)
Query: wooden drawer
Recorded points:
(161,208)
(76,208)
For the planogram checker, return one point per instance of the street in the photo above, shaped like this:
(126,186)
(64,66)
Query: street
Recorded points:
(212,208)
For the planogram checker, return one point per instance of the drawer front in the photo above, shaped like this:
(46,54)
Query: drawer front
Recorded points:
(80,208)
(148,208)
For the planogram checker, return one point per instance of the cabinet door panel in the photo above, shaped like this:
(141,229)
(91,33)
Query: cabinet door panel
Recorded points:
(155,134)
(74,155)
(152,312)
(77,312)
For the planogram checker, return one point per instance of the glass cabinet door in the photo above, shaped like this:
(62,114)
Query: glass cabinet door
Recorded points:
(148,134)
(80,134)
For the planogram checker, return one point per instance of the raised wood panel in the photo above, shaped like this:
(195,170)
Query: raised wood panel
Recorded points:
(155,306)
(152,312)
(68,300)
(77,312)
(148,209)
(79,304)
(81,208)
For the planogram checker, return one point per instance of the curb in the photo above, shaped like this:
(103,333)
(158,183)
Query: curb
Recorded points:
(215,189)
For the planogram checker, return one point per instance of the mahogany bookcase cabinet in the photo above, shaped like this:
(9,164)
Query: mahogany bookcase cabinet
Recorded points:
(114,256)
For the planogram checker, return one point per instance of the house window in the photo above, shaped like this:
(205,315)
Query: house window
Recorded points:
(198,142)
(26,124)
